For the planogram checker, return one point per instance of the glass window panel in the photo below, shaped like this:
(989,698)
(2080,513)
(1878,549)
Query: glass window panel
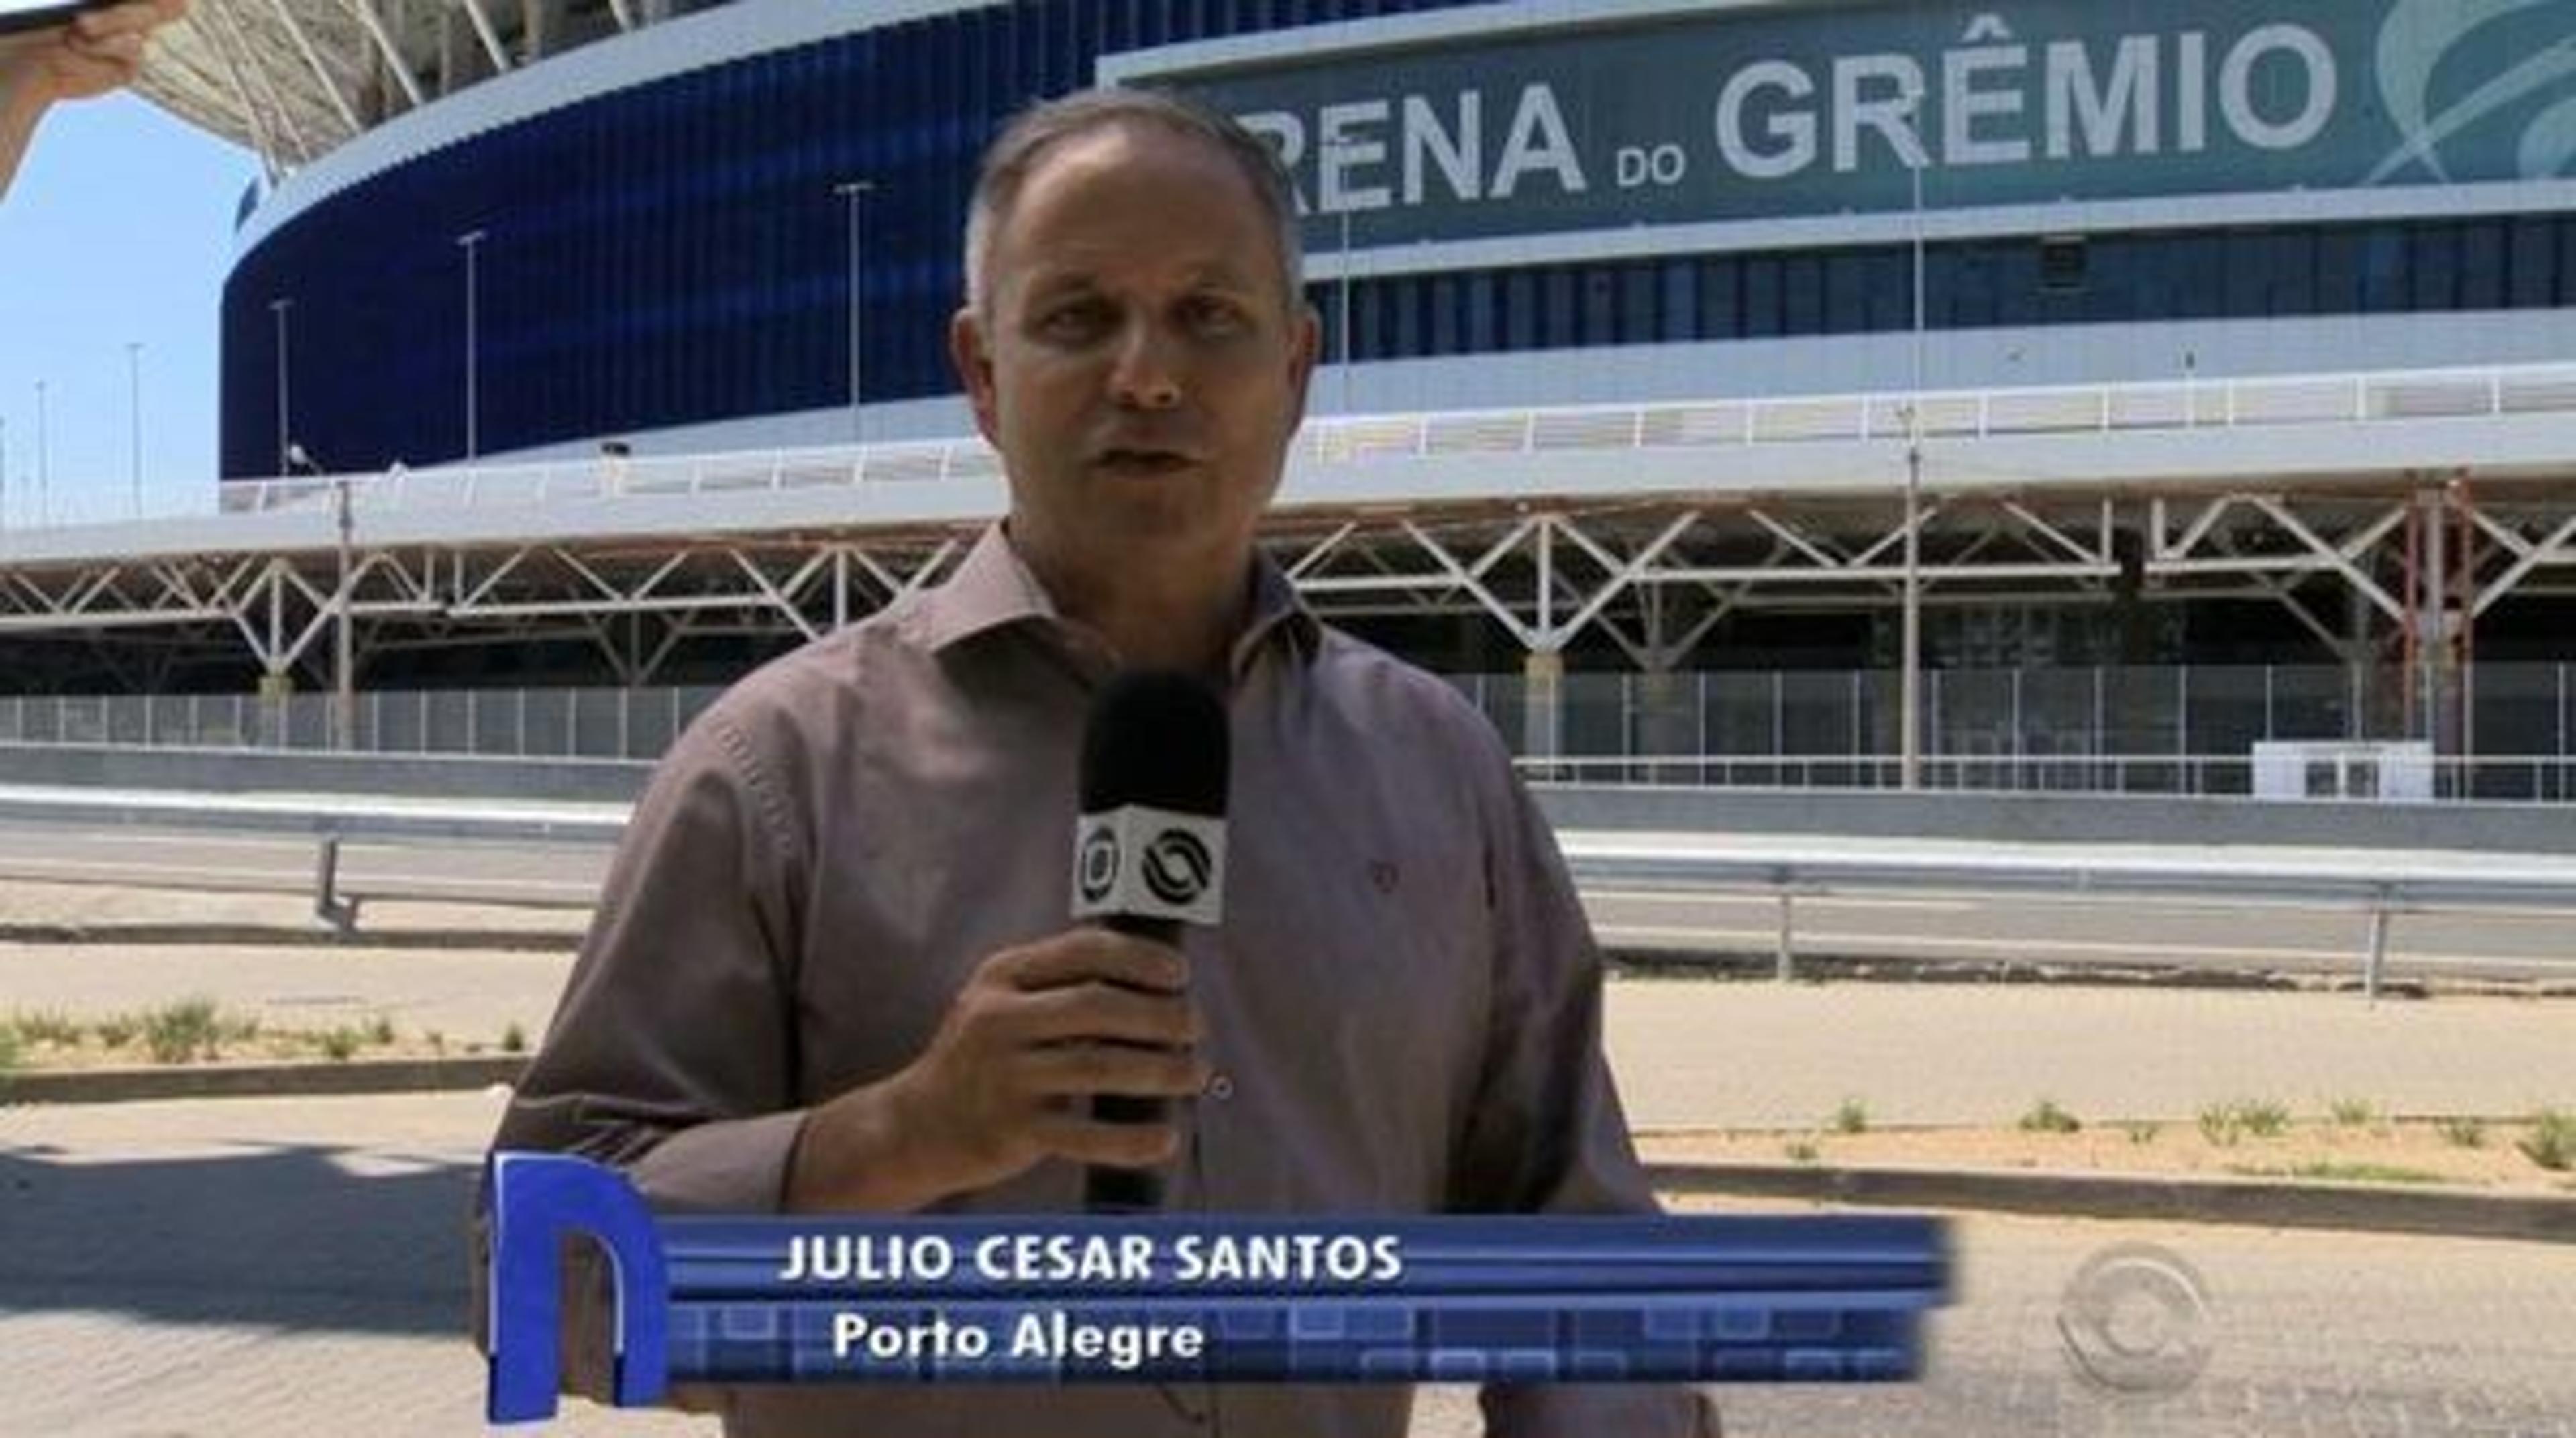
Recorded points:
(1557,315)
(1761,296)
(2482,264)
(1802,295)
(2433,253)
(1637,302)
(1846,293)
(1679,317)
(1599,322)
(2199,263)
(1972,287)
(2340,264)
(1721,313)
(1520,310)
(2017,284)
(2245,274)
(1406,295)
(2567,259)
(2294,272)
(2531,264)
(1888,283)
(1483,301)
(2111,279)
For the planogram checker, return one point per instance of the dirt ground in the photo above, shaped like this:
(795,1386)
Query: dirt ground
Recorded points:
(265,1045)
(2487,1154)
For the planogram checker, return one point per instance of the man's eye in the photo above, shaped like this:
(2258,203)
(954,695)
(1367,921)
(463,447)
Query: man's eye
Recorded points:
(1211,315)
(1071,321)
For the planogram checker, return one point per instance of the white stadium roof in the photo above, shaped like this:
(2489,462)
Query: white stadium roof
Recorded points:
(295,79)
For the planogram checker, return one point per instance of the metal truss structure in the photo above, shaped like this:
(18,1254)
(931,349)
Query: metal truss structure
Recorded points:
(1635,529)
(1652,576)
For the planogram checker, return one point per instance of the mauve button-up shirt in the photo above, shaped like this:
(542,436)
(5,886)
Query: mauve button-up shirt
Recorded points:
(1402,1007)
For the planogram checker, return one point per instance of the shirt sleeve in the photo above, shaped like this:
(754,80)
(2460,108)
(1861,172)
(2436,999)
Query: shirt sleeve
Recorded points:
(673,1052)
(1546,1133)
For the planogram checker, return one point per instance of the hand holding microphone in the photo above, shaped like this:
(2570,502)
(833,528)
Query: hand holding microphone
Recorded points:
(1071,1047)
(1149,855)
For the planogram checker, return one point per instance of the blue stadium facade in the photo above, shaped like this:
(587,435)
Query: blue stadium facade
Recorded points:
(648,235)
(671,252)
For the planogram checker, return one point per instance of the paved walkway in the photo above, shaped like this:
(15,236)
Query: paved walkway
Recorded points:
(270,1266)
(252,1268)
(1692,1053)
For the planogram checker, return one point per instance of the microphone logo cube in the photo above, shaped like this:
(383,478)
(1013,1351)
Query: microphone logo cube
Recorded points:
(1177,866)
(1096,866)
(1149,863)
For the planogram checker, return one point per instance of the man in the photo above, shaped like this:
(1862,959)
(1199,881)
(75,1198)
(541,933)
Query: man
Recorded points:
(832,968)
(98,51)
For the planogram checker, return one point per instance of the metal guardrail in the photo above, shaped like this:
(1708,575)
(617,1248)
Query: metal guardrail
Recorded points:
(331,819)
(347,816)
(1786,868)
(2377,884)
(2128,407)
(2491,778)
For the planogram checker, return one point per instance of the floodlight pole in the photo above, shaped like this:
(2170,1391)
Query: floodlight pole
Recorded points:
(471,242)
(852,192)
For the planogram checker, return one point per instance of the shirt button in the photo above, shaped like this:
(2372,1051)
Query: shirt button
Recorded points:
(1220,1088)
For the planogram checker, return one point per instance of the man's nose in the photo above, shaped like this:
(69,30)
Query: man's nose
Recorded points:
(1148,370)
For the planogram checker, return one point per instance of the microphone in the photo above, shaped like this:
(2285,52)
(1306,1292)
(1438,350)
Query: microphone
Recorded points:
(1148,852)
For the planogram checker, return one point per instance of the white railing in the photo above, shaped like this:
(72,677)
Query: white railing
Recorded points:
(2486,778)
(2121,408)
(572,481)
(2133,406)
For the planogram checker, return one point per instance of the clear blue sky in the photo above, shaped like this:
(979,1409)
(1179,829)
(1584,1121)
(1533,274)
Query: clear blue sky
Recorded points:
(118,230)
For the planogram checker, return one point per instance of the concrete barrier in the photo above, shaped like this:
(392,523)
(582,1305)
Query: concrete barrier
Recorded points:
(2067,818)
(240,771)
(2062,818)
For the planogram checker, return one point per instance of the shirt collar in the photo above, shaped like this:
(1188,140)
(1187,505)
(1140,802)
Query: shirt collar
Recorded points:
(990,590)
(993,590)
(1278,614)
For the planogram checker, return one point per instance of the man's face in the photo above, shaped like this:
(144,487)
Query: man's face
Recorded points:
(1137,364)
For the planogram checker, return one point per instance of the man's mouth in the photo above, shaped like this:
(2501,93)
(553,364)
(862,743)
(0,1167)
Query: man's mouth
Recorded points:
(1142,461)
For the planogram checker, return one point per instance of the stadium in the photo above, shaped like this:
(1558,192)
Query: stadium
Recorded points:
(2129,384)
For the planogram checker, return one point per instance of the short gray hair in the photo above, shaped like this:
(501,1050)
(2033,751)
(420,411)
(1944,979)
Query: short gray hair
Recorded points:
(1015,152)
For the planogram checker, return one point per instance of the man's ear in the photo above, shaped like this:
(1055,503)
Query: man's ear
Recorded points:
(1304,349)
(972,356)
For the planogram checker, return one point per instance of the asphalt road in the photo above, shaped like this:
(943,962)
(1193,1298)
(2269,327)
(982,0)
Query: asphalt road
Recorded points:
(522,873)
(289,1267)
(2103,932)
(1968,928)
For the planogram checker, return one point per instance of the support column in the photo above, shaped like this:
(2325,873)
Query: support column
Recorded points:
(2438,646)
(541,22)
(276,688)
(2365,690)
(2460,604)
(1667,720)
(397,68)
(1542,707)
(1667,709)
(461,57)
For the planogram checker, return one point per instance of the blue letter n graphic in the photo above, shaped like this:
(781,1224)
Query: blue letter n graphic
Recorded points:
(536,1200)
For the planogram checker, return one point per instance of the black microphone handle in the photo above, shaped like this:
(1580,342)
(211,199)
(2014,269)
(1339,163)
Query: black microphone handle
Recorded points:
(1129,1190)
